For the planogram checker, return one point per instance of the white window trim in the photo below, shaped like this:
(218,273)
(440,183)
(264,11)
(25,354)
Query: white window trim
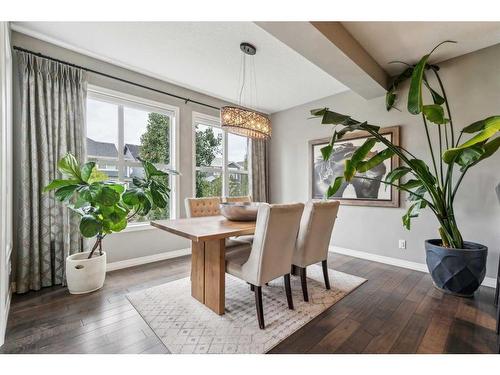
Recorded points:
(112,96)
(198,117)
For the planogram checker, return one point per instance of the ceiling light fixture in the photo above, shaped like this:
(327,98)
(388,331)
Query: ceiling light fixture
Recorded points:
(242,120)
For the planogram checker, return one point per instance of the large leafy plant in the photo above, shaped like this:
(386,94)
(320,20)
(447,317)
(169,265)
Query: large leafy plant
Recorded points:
(106,206)
(434,187)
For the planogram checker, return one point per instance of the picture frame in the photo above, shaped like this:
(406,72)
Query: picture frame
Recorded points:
(358,192)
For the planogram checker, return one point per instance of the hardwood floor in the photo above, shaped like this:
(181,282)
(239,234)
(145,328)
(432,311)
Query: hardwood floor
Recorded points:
(396,311)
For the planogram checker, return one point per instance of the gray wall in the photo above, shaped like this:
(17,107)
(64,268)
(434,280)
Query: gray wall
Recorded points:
(126,245)
(473,87)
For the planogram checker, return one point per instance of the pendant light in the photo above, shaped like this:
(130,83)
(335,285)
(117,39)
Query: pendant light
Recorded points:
(241,120)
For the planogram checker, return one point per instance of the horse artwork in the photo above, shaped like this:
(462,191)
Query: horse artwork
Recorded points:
(360,191)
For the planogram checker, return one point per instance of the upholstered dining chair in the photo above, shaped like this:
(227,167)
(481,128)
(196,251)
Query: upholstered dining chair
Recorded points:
(243,199)
(270,255)
(313,239)
(210,206)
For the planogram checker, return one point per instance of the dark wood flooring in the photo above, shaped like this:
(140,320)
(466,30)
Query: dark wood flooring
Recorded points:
(396,311)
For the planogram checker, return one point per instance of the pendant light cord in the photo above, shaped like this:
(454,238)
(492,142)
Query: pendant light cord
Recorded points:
(243,63)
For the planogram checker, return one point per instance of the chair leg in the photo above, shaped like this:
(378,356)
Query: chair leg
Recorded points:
(252,288)
(294,270)
(288,290)
(498,321)
(258,305)
(325,273)
(303,281)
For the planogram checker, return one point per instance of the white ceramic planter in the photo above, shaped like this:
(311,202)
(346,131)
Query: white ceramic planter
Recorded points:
(85,275)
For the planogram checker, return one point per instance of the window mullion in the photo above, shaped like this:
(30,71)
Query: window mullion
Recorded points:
(225,175)
(121,143)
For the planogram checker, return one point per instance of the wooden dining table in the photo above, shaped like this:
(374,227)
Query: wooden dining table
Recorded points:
(208,267)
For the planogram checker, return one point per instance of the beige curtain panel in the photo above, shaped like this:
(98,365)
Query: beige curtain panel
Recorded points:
(260,170)
(52,123)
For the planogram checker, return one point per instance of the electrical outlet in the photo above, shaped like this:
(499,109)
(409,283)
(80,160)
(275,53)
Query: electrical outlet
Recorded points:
(402,244)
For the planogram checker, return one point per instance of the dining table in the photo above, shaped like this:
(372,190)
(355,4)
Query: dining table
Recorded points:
(208,236)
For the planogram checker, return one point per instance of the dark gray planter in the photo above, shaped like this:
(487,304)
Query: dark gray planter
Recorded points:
(456,271)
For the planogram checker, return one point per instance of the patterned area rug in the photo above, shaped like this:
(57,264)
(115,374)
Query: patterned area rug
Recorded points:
(186,326)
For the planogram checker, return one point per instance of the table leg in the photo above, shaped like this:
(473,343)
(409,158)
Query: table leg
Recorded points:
(198,271)
(215,275)
(208,273)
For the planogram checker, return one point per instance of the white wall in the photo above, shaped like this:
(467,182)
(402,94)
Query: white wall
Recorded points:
(473,87)
(132,244)
(5,174)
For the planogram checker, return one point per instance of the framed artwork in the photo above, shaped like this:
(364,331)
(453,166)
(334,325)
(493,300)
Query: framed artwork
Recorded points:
(358,192)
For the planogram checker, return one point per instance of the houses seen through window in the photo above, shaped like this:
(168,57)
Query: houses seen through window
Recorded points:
(119,132)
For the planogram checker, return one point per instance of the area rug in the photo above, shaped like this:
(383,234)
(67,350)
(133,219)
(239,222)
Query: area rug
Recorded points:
(186,326)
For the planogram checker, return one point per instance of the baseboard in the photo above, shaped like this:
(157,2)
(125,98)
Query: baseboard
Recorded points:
(5,318)
(146,259)
(422,267)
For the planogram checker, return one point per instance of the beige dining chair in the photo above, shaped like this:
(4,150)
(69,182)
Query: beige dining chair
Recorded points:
(313,239)
(243,199)
(210,206)
(270,255)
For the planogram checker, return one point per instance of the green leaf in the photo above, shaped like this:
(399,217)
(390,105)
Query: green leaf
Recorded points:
(333,188)
(435,114)
(415,92)
(326,152)
(487,129)
(349,170)
(375,160)
(97,176)
(56,184)
(417,194)
(65,193)
(119,226)
(360,154)
(411,184)
(131,196)
(390,99)
(415,102)
(396,174)
(69,166)
(107,196)
(159,198)
(481,124)
(489,149)
(119,188)
(90,226)
(86,170)
(413,212)
(436,98)
(422,171)
(469,156)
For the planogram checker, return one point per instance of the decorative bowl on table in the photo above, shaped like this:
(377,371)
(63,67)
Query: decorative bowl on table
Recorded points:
(239,211)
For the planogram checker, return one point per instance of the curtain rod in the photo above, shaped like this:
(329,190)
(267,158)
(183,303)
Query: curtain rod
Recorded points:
(186,100)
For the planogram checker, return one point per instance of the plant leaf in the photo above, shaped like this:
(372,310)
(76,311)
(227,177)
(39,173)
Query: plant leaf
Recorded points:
(90,226)
(469,156)
(86,170)
(56,184)
(69,166)
(411,184)
(396,174)
(436,98)
(333,188)
(107,196)
(326,152)
(434,113)
(65,193)
(375,160)
(415,92)
(489,149)
(413,212)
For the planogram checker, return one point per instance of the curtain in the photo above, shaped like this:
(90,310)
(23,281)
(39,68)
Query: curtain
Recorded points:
(52,123)
(260,170)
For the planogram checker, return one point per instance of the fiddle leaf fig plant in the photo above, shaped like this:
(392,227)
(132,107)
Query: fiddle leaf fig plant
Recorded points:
(433,187)
(106,206)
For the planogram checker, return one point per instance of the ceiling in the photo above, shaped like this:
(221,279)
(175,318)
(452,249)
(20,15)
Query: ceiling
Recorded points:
(203,56)
(408,41)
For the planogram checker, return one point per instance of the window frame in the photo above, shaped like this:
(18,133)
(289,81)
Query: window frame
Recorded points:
(122,99)
(214,121)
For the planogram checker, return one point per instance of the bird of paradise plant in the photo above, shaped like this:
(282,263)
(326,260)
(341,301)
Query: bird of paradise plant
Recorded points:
(435,187)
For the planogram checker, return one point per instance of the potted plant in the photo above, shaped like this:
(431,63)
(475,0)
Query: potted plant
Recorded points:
(104,207)
(456,266)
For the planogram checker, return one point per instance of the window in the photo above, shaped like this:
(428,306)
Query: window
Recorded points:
(221,160)
(121,129)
